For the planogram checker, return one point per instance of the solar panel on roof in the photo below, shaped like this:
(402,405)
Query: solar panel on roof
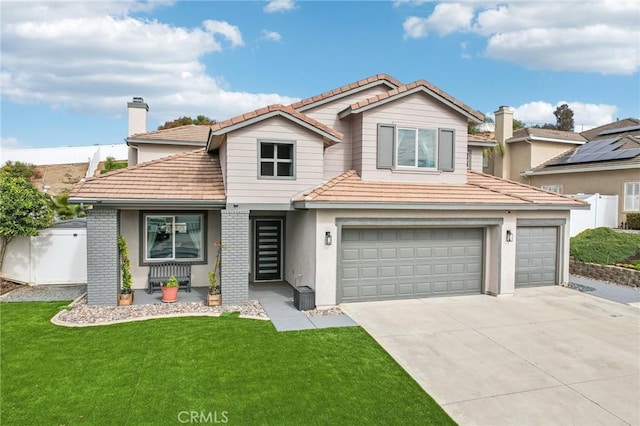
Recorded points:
(595,151)
(619,130)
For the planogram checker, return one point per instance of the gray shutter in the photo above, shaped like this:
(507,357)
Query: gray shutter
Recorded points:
(446,143)
(386,136)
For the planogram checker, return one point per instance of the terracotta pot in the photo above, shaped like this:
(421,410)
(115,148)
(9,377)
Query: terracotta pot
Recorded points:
(169,294)
(125,299)
(214,299)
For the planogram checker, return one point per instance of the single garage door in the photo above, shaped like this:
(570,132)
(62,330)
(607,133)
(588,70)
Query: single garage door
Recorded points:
(383,264)
(536,255)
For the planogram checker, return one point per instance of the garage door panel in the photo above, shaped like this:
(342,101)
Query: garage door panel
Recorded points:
(536,256)
(404,263)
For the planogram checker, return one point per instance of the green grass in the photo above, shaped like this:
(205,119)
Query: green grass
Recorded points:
(604,246)
(147,373)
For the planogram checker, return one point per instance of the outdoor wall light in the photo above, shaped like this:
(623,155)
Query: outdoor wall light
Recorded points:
(328,240)
(509,236)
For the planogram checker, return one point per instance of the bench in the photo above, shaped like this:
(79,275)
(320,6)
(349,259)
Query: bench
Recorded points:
(159,273)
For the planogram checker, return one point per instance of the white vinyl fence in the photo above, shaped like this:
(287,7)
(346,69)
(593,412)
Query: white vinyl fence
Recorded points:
(57,256)
(603,212)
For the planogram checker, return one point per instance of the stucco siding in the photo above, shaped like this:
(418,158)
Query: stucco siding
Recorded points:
(520,156)
(544,151)
(338,158)
(148,152)
(610,182)
(421,111)
(130,228)
(300,252)
(243,184)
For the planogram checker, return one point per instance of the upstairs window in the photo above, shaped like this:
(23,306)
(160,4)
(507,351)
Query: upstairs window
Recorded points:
(415,148)
(552,188)
(276,159)
(632,196)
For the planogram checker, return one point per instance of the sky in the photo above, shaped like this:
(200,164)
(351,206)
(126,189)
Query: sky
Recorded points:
(68,69)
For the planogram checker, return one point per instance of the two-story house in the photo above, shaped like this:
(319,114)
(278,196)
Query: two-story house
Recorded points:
(362,193)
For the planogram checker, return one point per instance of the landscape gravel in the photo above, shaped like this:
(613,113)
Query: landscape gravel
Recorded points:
(334,310)
(82,314)
(45,293)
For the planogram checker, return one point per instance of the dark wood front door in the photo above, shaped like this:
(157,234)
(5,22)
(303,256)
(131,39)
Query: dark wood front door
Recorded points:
(268,248)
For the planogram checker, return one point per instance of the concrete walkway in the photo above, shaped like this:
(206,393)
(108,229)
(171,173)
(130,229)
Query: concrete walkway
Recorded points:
(546,356)
(277,301)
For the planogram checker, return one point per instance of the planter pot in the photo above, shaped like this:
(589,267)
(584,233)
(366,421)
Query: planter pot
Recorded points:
(169,294)
(214,299)
(125,299)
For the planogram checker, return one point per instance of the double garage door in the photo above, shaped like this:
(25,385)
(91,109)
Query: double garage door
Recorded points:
(397,263)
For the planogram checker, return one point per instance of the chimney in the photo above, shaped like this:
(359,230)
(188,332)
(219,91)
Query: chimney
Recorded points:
(138,110)
(504,123)
(504,131)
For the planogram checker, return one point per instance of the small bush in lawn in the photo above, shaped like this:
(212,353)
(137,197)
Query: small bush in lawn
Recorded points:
(604,246)
(633,220)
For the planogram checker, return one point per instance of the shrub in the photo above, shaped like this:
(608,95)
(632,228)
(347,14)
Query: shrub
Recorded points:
(111,164)
(604,246)
(633,220)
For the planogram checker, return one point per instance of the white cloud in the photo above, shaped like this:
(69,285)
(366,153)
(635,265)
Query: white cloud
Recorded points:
(445,19)
(280,6)
(10,143)
(228,31)
(585,115)
(398,3)
(93,56)
(270,35)
(590,36)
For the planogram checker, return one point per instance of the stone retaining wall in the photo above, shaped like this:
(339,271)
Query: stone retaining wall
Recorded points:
(609,273)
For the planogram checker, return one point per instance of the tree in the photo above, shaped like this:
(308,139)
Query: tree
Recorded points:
(111,164)
(185,121)
(19,169)
(564,118)
(517,124)
(63,210)
(23,210)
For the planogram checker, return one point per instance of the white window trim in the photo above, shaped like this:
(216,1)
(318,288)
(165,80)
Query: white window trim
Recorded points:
(276,160)
(552,188)
(415,160)
(628,207)
(203,241)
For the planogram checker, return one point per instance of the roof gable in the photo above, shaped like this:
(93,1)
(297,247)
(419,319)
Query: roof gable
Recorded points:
(189,178)
(423,86)
(594,133)
(346,90)
(330,135)
(548,135)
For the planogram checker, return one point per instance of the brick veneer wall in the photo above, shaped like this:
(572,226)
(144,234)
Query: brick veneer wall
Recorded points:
(103,272)
(234,261)
(614,274)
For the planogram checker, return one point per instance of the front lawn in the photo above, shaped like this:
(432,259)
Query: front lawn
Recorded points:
(198,370)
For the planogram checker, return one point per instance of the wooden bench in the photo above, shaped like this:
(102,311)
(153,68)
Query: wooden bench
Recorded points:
(159,273)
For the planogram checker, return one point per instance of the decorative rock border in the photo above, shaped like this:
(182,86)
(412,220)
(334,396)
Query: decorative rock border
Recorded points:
(83,315)
(614,274)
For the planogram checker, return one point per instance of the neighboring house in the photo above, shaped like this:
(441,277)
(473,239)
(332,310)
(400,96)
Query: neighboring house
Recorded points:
(608,164)
(526,148)
(362,193)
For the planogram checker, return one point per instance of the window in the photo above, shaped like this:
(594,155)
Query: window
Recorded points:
(174,237)
(552,188)
(485,159)
(416,148)
(276,159)
(632,196)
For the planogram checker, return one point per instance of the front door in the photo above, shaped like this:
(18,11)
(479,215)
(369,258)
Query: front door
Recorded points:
(268,247)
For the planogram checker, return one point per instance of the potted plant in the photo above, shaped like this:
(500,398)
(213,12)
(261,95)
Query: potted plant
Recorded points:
(170,290)
(126,294)
(214,298)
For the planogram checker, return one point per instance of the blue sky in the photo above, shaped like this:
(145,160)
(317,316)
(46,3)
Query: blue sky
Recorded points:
(68,69)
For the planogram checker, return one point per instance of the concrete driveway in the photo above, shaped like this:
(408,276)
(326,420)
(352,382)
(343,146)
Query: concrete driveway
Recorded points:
(546,356)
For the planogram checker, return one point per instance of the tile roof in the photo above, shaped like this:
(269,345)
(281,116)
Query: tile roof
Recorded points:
(402,91)
(282,110)
(188,133)
(533,132)
(480,190)
(189,176)
(345,88)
